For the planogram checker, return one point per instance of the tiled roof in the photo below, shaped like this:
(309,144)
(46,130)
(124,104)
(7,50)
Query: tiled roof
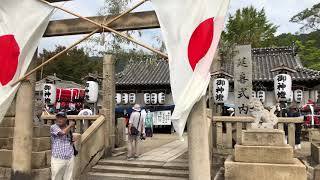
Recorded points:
(264,60)
(145,73)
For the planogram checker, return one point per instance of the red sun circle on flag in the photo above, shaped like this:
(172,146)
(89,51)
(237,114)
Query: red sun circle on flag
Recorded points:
(9,56)
(200,42)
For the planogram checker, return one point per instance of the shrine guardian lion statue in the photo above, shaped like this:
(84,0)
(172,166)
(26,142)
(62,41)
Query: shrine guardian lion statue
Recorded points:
(264,119)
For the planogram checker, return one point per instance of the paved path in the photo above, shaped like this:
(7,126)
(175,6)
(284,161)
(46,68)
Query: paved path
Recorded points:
(167,152)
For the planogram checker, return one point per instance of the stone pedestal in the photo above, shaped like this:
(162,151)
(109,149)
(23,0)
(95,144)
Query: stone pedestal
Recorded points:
(264,155)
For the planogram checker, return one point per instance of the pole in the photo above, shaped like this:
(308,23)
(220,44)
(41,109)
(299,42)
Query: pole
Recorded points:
(74,44)
(198,143)
(108,103)
(23,130)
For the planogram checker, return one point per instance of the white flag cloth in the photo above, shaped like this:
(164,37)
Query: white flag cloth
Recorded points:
(22,24)
(191,31)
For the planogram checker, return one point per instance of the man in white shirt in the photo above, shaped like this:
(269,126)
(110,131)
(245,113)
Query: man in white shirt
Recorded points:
(136,130)
(86,111)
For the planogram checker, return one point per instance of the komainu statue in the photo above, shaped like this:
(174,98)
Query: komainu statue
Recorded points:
(264,119)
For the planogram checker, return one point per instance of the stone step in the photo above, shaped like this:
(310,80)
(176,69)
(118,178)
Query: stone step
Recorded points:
(39,159)
(39,144)
(7,122)
(120,149)
(264,154)
(140,171)
(121,176)
(38,131)
(145,164)
(117,154)
(264,171)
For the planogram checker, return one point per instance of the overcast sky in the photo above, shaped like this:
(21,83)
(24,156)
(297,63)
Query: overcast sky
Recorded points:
(278,12)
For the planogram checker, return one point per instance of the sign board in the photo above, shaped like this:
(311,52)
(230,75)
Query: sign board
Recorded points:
(242,79)
(162,118)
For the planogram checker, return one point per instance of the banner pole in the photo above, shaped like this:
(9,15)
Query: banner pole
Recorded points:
(76,43)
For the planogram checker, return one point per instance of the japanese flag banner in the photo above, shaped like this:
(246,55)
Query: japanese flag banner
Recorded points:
(22,24)
(191,30)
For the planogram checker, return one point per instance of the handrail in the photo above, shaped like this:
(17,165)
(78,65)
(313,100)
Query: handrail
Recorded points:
(90,147)
(249,119)
(72,117)
(96,125)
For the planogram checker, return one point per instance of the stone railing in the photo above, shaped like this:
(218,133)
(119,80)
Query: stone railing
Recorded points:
(235,125)
(82,122)
(90,146)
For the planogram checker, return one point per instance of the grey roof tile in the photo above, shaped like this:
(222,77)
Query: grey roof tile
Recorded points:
(264,59)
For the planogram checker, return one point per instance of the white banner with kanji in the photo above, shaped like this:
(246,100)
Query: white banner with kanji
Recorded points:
(191,31)
(22,25)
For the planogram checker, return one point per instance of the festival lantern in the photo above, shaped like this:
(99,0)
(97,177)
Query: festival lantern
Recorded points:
(49,94)
(132,98)
(147,98)
(220,90)
(261,95)
(254,94)
(125,98)
(92,91)
(154,98)
(118,98)
(298,95)
(282,87)
(161,98)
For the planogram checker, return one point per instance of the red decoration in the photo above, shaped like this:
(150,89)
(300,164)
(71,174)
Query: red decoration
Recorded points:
(200,42)
(9,56)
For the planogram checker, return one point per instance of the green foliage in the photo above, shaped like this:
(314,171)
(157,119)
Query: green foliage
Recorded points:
(76,63)
(250,26)
(309,54)
(308,47)
(309,18)
(73,65)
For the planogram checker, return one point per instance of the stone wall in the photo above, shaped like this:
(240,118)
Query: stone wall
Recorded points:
(41,149)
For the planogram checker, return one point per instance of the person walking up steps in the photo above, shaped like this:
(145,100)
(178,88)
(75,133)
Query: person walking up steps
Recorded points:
(136,127)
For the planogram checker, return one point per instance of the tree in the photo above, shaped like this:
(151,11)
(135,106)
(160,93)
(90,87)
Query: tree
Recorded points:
(108,41)
(309,18)
(73,65)
(309,54)
(250,26)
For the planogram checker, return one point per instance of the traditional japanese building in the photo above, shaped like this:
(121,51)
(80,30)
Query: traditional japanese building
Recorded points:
(142,77)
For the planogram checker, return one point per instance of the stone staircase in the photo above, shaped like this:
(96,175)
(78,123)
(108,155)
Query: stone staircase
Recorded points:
(41,153)
(119,151)
(138,170)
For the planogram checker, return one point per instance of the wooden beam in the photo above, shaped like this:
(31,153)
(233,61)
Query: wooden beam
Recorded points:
(132,21)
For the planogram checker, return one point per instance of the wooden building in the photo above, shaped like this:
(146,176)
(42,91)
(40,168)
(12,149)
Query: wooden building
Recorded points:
(143,77)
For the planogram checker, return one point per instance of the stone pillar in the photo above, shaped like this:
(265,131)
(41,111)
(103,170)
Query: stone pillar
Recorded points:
(121,129)
(108,102)
(198,144)
(23,130)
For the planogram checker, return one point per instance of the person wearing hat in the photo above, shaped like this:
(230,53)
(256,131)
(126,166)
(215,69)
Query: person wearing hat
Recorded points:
(62,158)
(231,111)
(136,129)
